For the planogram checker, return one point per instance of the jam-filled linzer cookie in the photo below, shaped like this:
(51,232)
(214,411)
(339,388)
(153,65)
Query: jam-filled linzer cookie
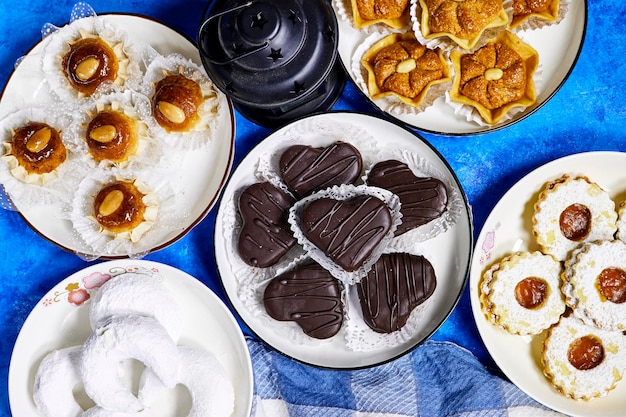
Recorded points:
(461,21)
(571,211)
(521,294)
(393,13)
(581,361)
(400,66)
(496,78)
(123,211)
(35,151)
(595,284)
(175,103)
(308,295)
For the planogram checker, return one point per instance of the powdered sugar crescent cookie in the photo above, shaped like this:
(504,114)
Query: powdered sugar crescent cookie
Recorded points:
(120,338)
(583,362)
(132,293)
(595,284)
(56,377)
(521,293)
(570,211)
(211,391)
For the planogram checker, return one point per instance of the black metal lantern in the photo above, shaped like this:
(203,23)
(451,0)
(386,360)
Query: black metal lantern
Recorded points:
(275,59)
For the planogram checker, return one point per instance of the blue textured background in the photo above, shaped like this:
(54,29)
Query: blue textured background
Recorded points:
(588,113)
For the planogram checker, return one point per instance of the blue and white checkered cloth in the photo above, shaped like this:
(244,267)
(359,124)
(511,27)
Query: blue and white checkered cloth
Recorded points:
(437,379)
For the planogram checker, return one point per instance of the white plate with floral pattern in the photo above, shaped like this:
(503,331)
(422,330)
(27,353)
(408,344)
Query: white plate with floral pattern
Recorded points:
(61,319)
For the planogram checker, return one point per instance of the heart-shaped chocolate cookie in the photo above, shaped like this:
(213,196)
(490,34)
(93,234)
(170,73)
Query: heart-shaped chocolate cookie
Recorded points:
(396,284)
(309,296)
(347,231)
(422,199)
(306,169)
(265,234)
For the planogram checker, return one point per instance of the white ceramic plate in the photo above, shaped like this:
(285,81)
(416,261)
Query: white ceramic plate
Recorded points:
(451,250)
(508,229)
(204,170)
(558,47)
(56,323)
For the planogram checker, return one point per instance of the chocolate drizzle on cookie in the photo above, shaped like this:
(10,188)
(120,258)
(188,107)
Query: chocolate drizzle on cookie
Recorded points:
(309,296)
(393,288)
(422,199)
(306,169)
(265,234)
(347,231)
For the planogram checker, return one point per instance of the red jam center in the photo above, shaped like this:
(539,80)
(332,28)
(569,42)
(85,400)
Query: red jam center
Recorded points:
(585,353)
(575,222)
(531,292)
(612,284)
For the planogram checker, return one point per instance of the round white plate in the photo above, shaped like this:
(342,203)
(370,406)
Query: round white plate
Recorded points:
(508,229)
(450,251)
(204,170)
(558,47)
(55,323)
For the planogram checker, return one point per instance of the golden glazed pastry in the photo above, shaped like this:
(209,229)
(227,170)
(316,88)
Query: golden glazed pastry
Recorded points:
(36,149)
(524,10)
(462,21)
(521,294)
(175,103)
(399,65)
(583,362)
(125,208)
(496,78)
(90,62)
(114,132)
(572,211)
(393,13)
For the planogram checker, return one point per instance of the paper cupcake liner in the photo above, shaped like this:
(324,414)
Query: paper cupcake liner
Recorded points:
(342,193)
(209,111)
(55,188)
(58,46)
(168,219)
(391,104)
(444,42)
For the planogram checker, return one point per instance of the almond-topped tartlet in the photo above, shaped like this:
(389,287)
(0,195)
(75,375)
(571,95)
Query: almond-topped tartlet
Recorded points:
(91,62)
(120,209)
(393,13)
(400,66)
(114,130)
(35,152)
(497,78)
(462,21)
(176,102)
(525,10)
